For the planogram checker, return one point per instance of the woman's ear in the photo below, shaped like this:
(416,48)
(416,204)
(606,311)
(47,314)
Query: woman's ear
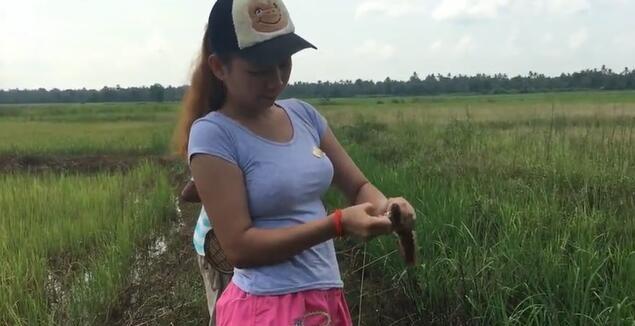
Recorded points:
(217,67)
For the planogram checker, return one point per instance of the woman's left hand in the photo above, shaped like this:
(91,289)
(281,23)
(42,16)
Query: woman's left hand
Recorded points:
(407,211)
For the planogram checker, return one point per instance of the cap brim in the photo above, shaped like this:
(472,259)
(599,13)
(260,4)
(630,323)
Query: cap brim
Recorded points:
(275,50)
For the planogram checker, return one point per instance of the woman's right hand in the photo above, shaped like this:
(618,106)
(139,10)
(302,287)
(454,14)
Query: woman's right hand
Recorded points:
(189,194)
(357,222)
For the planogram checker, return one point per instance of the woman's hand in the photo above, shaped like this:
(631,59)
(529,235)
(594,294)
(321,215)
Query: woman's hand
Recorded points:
(358,221)
(189,194)
(408,215)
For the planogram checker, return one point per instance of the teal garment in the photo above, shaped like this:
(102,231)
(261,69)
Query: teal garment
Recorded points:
(203,225)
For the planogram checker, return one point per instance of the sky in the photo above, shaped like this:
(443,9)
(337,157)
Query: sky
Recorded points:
(86,43)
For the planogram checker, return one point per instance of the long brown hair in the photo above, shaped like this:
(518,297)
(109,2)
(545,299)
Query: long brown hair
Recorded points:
(206,93)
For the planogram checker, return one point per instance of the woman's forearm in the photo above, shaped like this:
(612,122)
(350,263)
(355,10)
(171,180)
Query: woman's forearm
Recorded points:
(369,193)
(258,246)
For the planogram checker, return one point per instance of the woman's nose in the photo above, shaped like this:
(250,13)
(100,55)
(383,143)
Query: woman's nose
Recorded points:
(276,78)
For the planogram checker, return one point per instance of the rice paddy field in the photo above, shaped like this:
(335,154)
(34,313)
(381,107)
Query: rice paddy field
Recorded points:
(525,212)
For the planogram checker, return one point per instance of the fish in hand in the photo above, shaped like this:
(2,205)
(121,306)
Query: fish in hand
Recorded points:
(404,228)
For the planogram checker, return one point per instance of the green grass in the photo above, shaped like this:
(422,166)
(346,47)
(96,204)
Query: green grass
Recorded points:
(67,241)
(146,128)
(70,138)
(84,129)
(519,222)
(590,97)
(525,204)
(93,112)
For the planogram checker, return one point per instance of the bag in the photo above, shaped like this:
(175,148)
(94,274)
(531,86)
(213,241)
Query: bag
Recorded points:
(214,254)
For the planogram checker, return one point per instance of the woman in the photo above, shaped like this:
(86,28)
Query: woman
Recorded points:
(261,166)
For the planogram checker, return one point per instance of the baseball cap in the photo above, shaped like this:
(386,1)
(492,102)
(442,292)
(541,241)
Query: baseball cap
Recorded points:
(260,31)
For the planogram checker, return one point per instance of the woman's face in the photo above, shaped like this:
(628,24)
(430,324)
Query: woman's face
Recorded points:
(255,86)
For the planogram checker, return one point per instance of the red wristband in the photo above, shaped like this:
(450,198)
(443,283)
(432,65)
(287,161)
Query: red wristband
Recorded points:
(337,217)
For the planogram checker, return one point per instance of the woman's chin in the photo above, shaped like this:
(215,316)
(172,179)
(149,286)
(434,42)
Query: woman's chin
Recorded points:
(266,101)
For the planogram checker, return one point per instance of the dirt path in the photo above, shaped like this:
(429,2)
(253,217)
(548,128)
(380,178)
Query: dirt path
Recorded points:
(73,163)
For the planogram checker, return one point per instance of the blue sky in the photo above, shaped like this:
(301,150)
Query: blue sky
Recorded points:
(87,43)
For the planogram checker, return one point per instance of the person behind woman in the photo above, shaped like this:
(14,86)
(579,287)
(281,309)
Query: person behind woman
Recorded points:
(213,266)
(261,166)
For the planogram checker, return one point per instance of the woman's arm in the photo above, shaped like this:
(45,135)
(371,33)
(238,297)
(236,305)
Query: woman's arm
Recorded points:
(369,193)
(349,178)
(220,185)
(355,186)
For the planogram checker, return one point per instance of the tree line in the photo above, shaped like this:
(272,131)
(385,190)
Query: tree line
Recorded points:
(433,84)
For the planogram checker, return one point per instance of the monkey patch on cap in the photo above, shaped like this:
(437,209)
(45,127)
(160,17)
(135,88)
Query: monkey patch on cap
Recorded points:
(266,16)
(257,21)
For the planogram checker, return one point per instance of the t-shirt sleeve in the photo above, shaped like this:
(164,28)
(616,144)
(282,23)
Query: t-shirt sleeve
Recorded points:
(317,120)
(207,137)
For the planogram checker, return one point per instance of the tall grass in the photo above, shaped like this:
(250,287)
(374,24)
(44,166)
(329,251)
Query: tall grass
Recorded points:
(520,222)
(67,241)
(525,205)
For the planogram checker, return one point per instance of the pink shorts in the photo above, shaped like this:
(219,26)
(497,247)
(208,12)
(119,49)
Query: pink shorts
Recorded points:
(305,308)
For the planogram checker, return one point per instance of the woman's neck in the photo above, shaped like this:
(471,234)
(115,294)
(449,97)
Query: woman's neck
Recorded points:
(242,112)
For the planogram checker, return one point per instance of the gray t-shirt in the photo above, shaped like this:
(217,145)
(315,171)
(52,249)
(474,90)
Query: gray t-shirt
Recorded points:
(284,183)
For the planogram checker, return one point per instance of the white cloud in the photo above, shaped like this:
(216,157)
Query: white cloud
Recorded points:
(623,42)
(465,44)
(75,43)
(547,38)
(491,9)
(152,47)
(468,9)
(390,8)
(567,6)
(436,46)
(453,45)
(373,49)
(512,47)
(577,39)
